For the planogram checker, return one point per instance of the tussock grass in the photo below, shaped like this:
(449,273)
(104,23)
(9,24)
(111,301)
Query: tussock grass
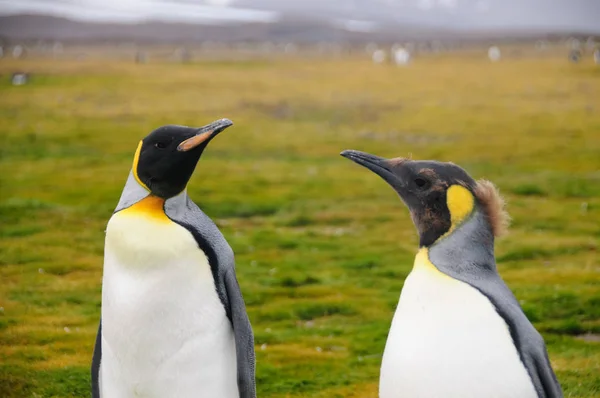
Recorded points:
(322,246)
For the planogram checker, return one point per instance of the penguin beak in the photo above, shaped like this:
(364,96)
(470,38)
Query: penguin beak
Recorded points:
(376,164)
(204,134)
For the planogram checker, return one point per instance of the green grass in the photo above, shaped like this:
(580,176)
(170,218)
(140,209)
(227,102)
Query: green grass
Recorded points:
(322,246)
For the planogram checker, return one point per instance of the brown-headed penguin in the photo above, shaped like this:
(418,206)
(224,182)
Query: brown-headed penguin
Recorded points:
(458,331)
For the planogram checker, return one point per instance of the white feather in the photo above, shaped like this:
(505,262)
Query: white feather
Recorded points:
(165,332)
(447,340)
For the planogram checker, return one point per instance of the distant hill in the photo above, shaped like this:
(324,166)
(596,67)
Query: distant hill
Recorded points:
(288,29)
(31,27)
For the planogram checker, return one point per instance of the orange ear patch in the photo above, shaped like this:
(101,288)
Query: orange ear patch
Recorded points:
(136,159)
(460,203)
(493,205)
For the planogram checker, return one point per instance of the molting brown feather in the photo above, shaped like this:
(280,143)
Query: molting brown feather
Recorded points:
(493,205)
(428,173)
(397,161)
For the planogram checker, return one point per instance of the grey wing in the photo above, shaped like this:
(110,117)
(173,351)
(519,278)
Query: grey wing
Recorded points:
(545,380)
(529,342)
(244,338)
(463,256)
(97,357)
(185,212)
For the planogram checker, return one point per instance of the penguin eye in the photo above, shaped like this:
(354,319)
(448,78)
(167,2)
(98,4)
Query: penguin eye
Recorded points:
(421,183)
(161,145)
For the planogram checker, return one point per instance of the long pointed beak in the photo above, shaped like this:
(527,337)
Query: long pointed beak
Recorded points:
(376,164)
(203,134)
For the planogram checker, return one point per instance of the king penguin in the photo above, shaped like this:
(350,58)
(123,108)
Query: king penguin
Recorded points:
(458,331)
(173,320)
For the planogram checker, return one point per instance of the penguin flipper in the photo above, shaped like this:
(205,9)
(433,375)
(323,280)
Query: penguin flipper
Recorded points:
(182,210)
(475,265)
(97,357)
(546,377)
(534,356)
(244,338)
(528,341)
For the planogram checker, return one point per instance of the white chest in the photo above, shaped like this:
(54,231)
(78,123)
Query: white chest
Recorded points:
(165,331)
(447,340)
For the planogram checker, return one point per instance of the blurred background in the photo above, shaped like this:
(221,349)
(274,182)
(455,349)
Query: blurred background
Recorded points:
(510,90)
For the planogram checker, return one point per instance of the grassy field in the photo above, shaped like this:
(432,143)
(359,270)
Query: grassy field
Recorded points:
(322,246)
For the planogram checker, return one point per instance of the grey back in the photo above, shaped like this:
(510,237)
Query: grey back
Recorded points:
(468,255)
(182,210)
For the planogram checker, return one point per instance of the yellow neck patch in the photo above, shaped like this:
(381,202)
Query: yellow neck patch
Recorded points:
(150,206)
(460,202)
(422,259)
(136,159)
(423,264)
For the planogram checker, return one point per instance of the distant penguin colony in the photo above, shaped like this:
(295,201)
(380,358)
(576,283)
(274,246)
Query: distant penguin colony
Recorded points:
(173,321)
(575,56)
(458,331)
(494,54)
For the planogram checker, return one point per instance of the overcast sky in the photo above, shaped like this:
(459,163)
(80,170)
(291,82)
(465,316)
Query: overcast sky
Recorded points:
(357,14)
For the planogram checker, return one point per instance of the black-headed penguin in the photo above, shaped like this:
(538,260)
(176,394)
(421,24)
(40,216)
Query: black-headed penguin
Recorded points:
(458,331)
(173,323)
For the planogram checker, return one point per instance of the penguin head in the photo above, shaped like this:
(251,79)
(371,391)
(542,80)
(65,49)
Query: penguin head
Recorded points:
(166,158)
(440,196)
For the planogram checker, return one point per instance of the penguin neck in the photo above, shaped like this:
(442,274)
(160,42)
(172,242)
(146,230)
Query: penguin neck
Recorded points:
(132,193)
(468,248)
(178,205)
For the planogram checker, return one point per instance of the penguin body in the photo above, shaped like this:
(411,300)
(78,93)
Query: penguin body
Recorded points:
(173,318)
(165,331)
(458,331)
(447,339)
